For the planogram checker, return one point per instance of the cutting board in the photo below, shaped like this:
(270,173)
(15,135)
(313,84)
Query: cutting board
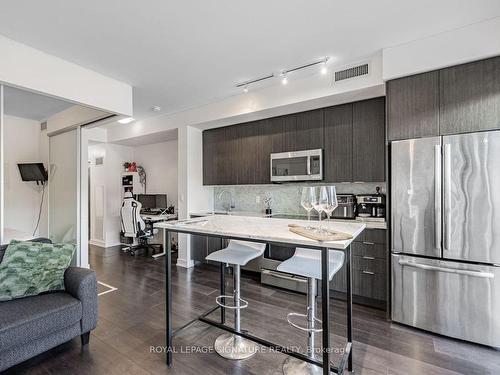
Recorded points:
(328,235)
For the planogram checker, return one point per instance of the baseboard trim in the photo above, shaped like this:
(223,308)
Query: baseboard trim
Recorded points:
(184,264)
(97,243)
(104,244)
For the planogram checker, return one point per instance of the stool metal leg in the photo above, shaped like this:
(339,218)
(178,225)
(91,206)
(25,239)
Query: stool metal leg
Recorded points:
(232,346)
(292,365)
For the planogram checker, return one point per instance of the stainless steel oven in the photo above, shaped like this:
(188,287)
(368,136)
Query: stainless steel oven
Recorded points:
(304,165)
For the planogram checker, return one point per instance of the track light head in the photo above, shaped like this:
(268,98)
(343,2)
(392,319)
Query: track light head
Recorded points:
(324,68)
(284,78)
(245,89)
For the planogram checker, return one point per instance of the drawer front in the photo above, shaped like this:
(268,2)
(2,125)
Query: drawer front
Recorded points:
(369,249)
(373,235)
(369,265)
(371,285)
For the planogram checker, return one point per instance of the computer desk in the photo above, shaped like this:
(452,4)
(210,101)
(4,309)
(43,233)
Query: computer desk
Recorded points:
(152,219)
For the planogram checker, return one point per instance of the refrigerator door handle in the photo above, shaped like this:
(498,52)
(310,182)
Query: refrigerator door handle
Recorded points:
(485,275)
(437,196)
(447,197)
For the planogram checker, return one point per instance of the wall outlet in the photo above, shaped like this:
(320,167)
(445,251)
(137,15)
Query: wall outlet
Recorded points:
(257,199)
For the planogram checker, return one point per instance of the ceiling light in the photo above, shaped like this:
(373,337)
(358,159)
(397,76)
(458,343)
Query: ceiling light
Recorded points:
(284,79)
(324,68)
(156,108)
(126,120)
(245,89)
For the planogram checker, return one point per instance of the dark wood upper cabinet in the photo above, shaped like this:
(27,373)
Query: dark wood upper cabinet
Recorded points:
(239,154)
(338,143)
(298,131)
(213,158)
(253,155)
(308,132)
(413,106)
(368,140)
(470,97)
(231,156)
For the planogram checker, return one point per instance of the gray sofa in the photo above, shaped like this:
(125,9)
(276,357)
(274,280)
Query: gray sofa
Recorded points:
(32,325)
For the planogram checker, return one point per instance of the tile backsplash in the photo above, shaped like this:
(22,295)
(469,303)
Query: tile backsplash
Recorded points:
(285,197)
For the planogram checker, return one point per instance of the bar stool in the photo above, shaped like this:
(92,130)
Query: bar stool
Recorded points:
(307,263)
(237,253)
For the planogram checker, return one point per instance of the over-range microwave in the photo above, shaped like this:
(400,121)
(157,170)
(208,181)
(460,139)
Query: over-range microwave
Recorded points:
(304,165)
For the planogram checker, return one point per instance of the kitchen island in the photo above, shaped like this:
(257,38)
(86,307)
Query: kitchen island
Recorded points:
(272,231)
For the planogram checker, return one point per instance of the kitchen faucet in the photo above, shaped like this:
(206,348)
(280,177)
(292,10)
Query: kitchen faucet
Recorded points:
(231,204)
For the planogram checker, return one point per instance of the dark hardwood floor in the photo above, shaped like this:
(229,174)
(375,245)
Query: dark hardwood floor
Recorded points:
(131,330)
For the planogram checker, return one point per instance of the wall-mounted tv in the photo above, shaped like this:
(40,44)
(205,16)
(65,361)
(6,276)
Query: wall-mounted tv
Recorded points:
(32,172)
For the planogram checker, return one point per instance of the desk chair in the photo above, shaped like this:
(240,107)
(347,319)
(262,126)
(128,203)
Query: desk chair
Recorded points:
(134,227)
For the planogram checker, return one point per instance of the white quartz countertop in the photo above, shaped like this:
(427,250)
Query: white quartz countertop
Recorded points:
(262,229)
(369,224)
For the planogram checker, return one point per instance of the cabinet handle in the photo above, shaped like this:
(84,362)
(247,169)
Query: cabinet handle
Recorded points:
(370,258)
(368,243)
(368,273)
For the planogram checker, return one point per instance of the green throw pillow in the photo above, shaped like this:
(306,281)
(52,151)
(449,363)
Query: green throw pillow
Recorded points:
(31,268)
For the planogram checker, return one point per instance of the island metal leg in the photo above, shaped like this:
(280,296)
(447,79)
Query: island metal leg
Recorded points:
(168,297)
(349,304)
(325,309)
(223,292)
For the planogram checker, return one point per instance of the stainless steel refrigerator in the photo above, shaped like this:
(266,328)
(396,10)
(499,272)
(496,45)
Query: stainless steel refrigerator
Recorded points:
(445,197)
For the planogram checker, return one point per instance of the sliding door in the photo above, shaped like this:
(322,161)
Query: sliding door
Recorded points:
(64,189)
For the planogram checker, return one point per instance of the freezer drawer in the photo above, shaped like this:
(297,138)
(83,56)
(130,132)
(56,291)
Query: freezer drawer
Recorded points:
(450,298)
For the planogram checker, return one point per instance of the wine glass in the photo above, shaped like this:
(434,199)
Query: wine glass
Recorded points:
(317,204)
(306,200)
(331,201)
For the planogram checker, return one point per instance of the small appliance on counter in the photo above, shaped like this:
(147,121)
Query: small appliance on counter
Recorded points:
(371,206)
(346,208)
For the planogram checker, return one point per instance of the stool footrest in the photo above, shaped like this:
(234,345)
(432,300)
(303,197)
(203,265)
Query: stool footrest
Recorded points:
(307,329)
(217,300)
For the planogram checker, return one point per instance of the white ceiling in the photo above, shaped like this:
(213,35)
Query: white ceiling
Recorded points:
(165,136)
(182,54)
(30,105)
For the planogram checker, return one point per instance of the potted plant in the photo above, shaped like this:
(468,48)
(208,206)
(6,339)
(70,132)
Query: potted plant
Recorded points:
(126,165)
(268,200)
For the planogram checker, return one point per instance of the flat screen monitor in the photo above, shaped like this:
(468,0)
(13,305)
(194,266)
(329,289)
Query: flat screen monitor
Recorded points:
(161,201)
(32,172)
(147,200)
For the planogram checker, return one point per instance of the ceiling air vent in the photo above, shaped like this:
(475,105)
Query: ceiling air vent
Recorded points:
(352,72)
(99,161)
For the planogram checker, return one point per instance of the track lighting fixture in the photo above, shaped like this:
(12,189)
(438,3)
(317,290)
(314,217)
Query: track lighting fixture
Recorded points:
(284,73)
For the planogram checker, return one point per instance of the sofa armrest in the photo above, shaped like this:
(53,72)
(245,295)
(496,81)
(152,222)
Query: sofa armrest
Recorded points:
(81,283)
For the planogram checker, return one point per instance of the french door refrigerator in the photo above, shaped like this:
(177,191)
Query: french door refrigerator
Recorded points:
(445,194)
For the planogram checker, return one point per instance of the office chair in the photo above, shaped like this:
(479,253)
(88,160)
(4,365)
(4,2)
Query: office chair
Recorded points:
(134,227)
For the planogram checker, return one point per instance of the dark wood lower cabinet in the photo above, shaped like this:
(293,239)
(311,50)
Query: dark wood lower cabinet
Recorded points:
(201,246)
(369,269)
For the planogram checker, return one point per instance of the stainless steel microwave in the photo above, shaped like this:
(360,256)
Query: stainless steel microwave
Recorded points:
(297,166)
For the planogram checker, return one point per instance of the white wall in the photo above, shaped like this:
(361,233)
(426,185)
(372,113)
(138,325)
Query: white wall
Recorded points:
(22,143)
(160,163)
(474,42)
(116,155)
(193,196)
(299,95)
(29,68)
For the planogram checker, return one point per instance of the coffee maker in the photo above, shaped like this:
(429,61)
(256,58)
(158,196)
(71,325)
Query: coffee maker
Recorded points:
(371,206)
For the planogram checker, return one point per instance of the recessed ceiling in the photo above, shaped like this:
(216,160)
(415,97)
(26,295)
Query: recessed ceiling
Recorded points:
(165,136)
(182,54)
(30,105)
